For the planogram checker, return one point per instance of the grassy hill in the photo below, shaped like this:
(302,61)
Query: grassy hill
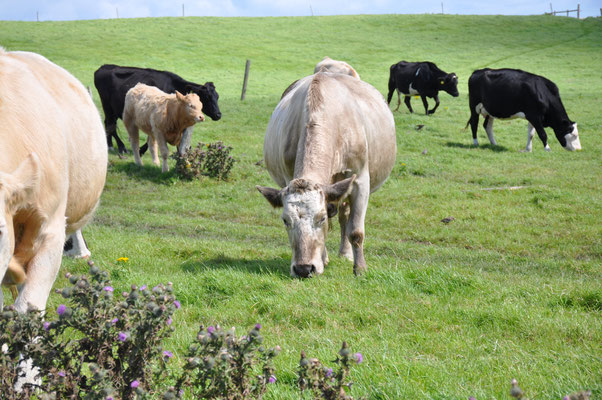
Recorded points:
(511,288)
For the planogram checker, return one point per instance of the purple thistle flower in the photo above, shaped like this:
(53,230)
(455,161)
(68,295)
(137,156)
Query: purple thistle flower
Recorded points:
(108,289)
(210,330)
(272,379)
(46,326)
(62,374)
(156,289)
(472,398)
(167,353)
(134,384)
(61,309)
(143,287)
(125,294)
(258,326)
(359,358)
(109,398)
(329,373)
(566,398)
(114,320)
(177,304)
(122,337)
(169,321)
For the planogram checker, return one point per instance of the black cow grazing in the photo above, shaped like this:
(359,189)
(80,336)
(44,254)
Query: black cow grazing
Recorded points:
(420,78)
(113,82)
(512,93)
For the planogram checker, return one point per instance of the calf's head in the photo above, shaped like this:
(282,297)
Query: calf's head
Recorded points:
(449,84)
(190,107)
(209,97)
(306,207)
(17,191)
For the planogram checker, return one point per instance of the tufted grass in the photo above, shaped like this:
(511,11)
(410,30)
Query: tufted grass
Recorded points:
(509,289)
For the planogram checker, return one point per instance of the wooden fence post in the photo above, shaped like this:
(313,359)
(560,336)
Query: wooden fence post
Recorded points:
(182,9)
(244,84)
(578,10)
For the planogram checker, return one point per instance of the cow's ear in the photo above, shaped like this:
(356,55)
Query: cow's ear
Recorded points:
(331,210)
(274,196)
(180,96)
(23,184)
(339,190)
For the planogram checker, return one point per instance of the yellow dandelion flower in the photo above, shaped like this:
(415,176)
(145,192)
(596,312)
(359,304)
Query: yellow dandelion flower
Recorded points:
(123,259)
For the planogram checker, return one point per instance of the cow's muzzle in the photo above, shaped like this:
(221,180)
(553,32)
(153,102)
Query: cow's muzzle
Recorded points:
(304,270)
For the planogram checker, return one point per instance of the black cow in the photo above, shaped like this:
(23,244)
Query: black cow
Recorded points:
(420,78)
(113,82)
(512,93)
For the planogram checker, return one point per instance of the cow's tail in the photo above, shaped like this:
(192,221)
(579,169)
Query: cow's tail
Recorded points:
(467,123)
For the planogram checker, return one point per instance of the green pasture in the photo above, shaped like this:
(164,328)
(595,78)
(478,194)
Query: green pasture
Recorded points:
(511,288)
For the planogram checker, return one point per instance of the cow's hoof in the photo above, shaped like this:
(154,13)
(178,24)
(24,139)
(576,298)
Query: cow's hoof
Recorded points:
(359,269)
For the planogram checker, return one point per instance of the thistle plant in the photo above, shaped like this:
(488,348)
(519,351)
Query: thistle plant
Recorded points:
(211,159)
(220,365)
(325,383)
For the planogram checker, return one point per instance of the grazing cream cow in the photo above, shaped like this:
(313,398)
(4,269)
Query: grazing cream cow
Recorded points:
(163,117)
(53,162)
(339,67)
(330,141)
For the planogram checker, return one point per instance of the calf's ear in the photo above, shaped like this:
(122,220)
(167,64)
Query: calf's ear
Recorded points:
(180,96)
(272,195)
(23,184)
(339,190)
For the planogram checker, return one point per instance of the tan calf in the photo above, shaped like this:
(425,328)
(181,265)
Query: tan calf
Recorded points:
(163,117)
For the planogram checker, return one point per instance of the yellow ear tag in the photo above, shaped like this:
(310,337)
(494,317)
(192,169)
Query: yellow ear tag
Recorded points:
(442,82)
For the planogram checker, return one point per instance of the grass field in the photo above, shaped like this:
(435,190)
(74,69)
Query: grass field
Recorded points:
(510,289)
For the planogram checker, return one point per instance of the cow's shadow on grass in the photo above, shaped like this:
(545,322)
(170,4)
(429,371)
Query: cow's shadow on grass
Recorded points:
(489,146)
(147,172)
(275,266)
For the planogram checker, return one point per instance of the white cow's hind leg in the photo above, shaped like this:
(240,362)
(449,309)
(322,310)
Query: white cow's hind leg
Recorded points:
(489,130)
(78,247)
(530,134)
(42,269)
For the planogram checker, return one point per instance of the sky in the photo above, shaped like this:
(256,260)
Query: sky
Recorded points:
(65,10)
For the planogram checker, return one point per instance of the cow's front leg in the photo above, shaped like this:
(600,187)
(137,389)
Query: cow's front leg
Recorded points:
(164,152)
(42,268)
(436,97)
(530,134)
(406,100)
(541,133)
(425,103)
(488,125)
(154,150)
(345,247)
(355,225)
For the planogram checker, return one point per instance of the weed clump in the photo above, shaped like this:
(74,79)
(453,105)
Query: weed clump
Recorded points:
(211,159)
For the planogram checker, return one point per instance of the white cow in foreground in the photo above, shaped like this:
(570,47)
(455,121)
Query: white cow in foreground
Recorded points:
(339,67)
(163,117)
(331,141)
(53,162)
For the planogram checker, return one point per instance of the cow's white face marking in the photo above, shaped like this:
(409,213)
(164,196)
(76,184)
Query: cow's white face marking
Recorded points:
(572,140)
(305,218)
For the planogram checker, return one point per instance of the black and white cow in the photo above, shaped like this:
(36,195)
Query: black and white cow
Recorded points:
(113,82)
(512,93)
(420,78)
